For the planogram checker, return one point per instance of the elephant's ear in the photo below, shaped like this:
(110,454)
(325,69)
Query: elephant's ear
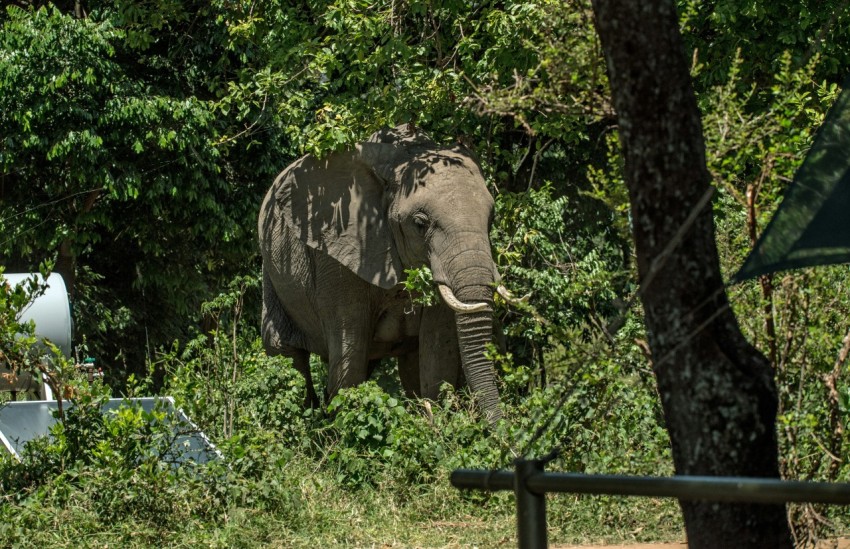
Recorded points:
(336,205)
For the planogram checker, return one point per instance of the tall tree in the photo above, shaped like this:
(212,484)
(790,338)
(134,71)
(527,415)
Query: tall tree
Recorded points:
(121,162)
(717,391)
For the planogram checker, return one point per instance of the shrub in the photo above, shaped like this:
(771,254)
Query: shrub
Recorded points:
(117,465)
(372,434)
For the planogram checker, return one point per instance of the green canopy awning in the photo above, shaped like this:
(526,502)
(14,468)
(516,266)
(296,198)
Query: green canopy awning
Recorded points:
(812,225)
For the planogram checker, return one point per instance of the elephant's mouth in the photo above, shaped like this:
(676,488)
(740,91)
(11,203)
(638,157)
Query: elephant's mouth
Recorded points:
(464,308)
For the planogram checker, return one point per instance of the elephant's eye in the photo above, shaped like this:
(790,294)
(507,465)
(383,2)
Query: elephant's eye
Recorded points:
(421,220)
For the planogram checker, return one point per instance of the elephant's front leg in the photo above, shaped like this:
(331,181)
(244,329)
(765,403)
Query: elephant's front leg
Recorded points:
(439,354)
(348,357)
(348,329)
(408,372)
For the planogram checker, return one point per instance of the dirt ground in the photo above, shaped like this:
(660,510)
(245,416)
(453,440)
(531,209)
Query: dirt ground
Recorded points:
(634,546)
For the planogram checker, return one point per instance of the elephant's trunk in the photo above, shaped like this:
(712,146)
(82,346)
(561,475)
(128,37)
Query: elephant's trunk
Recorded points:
(467,268)
(475,330)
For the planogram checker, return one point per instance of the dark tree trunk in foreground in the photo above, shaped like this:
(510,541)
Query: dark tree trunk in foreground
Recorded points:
(717,391)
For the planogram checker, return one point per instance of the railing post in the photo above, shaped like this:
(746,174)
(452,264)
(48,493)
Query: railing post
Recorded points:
(530,506)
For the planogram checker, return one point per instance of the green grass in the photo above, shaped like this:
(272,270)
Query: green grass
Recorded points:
(374,473)
(304,507)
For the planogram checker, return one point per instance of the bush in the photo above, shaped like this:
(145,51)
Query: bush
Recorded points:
(116,466)
(373,434)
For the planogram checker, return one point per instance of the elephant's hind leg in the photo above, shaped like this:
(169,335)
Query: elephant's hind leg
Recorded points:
(278,331)
(281,337)
(301,362)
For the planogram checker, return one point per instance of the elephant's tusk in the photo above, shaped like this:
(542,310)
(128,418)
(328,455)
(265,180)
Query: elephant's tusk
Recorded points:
(509,297)
(457,305)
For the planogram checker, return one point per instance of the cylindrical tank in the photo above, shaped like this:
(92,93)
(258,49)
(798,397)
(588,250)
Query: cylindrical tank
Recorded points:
(50,311)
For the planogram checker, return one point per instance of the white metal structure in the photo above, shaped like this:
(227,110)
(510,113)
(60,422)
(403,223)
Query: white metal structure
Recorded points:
(21,422)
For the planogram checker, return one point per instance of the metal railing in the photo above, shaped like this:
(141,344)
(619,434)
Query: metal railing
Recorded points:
(530,483)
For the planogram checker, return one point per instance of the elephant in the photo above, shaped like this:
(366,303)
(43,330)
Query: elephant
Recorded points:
(336,235)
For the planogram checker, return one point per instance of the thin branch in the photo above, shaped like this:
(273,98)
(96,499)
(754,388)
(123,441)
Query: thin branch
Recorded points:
(537,156)
(249,129)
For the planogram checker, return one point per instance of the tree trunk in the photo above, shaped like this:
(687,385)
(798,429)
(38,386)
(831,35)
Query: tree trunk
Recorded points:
(66,265)
(66,260)
(717,391)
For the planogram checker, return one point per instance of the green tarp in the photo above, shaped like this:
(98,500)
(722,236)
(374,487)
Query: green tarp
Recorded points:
(812,225)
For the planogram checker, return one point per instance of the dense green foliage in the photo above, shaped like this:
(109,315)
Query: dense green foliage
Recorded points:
(298,478)
(116,162)
(16,336)
(139,137)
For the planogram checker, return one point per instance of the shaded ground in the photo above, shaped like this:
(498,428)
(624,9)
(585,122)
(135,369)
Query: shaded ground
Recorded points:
(840,543)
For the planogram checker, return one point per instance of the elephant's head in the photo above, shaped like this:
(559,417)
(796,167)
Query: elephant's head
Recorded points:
(401,201)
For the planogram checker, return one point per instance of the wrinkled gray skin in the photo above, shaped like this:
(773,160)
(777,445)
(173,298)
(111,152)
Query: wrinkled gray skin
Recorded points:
(336,235)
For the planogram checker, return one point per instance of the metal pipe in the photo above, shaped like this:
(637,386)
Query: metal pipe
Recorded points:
(706,488)
(530,506)
(491,481)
